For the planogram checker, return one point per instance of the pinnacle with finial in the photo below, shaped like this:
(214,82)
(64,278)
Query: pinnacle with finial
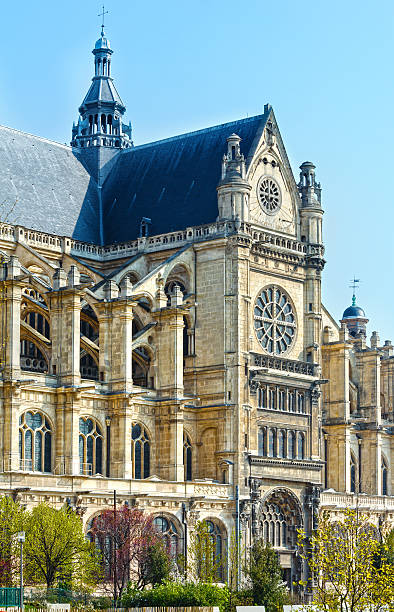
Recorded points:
(102,15)
(355,283)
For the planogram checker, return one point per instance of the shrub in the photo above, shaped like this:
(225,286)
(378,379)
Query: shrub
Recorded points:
(177,594)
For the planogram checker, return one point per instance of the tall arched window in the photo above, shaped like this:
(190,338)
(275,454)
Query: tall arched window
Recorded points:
(272,398)
(281,443)
(140,451)
(300,445)
(261,435)
(90,447)
(217,548)
(353,472)
(301,402)
(385,473)
(272,443)
(292,401)
(262,397)
(187,457)
(170,535)
(35,442)
(282,399)
(291,444)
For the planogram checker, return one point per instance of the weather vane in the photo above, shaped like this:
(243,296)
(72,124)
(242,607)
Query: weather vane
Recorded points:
(102,15)
(355,284)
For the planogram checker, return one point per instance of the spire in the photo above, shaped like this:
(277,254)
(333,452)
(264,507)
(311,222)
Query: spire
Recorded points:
(100,123)
(355,282)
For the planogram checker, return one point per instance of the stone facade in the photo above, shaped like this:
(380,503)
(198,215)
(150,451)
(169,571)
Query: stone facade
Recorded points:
(195,372)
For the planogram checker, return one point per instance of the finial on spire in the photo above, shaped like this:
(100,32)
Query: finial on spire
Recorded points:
(102,15)
(355,283)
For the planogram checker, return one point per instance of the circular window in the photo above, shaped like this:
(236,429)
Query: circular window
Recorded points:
(274,320)
(269,195)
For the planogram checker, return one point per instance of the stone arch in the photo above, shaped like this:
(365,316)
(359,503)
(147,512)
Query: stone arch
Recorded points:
(142,371)
(180,274)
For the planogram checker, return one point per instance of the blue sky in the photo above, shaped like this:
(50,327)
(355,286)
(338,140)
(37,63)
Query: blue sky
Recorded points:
(326,67)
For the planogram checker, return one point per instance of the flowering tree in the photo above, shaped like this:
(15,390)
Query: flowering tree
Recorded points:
(343,561)
(126,538)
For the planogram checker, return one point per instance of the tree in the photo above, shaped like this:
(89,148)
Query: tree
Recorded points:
(342,558)
(11,521)
(264,577)
(205,564)
(124,537)
(155,565)
(56,549)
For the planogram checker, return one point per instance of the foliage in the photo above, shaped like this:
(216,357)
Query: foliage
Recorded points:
(239,598)
(177,594)
(56,549)
(125,537)
(343,565)
(156,565)
(11,521)
(264,577)
(203,563)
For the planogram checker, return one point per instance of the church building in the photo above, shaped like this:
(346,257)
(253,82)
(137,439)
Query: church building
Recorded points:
(164,337)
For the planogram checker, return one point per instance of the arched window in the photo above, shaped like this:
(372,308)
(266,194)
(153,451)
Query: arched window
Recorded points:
(262,442)
(272,398)
(262,397)
(38,322)
(218,548)
(301,402)
(35,442)
(282,398)
(281,443)
(272,443)
(353,472)
(140,451)
(385,473)
(187,457)
(274,525)
(32,359)
(90,447)
(170,535)
(300,445)
(292,406)
(103,543)
(291,444)
(89,369)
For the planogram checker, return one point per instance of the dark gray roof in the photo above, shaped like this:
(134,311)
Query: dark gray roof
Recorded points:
(102,89)
(52,190)
(173,182)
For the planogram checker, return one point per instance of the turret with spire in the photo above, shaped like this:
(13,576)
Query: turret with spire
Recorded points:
(100,123)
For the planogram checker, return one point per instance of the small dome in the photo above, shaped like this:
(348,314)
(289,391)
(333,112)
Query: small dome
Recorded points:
(102,43)
(353,312)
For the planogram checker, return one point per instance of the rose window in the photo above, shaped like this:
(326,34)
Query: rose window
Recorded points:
(269,195)
(274,320)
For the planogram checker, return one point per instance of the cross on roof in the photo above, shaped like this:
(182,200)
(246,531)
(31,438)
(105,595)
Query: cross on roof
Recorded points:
(102,15)
(355,283)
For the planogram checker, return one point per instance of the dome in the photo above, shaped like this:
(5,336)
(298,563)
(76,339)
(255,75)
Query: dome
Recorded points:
(102,43)
(353,312)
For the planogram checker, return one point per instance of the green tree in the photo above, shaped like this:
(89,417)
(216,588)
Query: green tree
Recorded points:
(204,563)
(264,577)
(56,549)
(11,521)
(155,565)
(343,560)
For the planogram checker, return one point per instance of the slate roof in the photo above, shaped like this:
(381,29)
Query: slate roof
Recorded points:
(102,89)
(53,191)
(173,182)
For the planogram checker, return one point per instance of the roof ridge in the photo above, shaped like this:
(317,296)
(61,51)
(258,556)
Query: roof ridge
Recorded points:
(54,142)
(188,134)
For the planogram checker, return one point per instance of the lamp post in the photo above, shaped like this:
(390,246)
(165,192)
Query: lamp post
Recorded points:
(21,539)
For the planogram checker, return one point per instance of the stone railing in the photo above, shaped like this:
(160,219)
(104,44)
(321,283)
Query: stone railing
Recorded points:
(357,500)
(258,237)
(284,365)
